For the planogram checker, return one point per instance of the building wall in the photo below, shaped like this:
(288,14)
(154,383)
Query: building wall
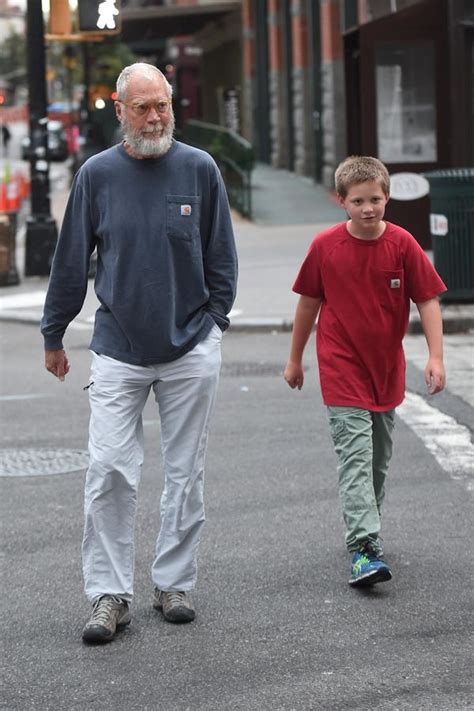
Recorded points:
(291,80)
(248,71)
(333,92)
(278,97)
(431,119)
(302,95)
(11,20)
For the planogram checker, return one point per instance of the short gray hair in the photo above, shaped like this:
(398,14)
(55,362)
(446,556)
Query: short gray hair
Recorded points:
(145,69)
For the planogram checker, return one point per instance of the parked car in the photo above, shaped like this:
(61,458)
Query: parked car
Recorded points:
(57,142)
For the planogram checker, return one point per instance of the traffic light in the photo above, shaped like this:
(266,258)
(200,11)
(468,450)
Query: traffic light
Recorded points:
(99,16)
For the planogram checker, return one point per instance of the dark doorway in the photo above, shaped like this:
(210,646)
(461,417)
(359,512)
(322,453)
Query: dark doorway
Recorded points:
(353,92)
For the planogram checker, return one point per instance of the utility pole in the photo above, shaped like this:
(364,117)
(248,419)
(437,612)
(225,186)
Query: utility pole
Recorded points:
(41,230)
(86,73)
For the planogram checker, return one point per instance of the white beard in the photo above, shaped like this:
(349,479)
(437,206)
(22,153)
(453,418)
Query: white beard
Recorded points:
(149,143)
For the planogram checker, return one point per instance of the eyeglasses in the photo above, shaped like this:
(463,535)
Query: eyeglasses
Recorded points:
(142,109)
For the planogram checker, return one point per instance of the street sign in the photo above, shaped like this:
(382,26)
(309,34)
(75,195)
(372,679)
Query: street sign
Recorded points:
(99,16)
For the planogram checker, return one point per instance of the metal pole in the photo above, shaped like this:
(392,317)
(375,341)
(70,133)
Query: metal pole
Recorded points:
(86,119)
(262,99)
(41,231)
(316,89)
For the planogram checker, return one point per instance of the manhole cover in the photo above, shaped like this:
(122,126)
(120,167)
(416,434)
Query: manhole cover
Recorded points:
(238,369)
(41,462)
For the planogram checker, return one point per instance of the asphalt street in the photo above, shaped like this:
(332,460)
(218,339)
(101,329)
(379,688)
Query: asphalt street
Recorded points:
(277,625)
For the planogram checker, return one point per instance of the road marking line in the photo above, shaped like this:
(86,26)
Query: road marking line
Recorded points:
(15,307)
(39,396)
(78,325)
(448,441)
(15,301)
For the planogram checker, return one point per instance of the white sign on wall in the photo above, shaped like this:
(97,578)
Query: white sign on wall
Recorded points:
(408,186)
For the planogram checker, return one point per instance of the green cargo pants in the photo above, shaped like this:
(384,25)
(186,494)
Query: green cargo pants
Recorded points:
(363,443)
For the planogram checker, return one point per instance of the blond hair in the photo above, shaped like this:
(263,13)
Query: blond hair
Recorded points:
(360,169)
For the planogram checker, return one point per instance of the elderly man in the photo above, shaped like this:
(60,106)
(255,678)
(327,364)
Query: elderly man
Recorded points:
(157,212)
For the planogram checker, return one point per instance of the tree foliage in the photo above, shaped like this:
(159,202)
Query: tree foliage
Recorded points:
(107,59)
(13,58)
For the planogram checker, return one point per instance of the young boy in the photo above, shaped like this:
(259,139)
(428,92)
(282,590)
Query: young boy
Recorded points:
(359,276)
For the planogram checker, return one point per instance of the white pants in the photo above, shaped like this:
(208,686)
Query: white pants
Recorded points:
(184,391)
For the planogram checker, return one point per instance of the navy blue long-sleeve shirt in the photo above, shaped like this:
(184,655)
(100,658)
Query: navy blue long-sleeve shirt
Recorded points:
(167,263)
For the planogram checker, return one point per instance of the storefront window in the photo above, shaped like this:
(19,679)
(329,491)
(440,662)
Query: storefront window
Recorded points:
(406,110)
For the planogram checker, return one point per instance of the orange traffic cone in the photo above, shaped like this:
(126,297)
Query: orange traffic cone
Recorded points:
(13,197)
(3,197)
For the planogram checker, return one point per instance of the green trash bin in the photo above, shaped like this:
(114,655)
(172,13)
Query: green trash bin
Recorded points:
(452,230)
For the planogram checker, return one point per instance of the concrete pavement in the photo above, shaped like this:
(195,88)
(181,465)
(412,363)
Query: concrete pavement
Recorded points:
(277,627)
(288,211)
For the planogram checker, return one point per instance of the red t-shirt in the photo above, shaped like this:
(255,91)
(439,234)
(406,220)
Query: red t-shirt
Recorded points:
(366,287)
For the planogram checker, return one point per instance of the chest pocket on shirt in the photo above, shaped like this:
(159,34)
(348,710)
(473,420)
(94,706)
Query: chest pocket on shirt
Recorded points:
(182,217)
(390,287)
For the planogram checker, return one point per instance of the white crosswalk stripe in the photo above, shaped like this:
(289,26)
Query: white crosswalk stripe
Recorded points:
(448,441)
(27,307)
(22,300)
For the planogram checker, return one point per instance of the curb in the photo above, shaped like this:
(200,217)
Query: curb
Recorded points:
(451,325)
(460,324)
(261,325)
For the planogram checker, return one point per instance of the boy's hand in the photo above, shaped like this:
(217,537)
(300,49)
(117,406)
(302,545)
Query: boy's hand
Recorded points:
(435,377)
(294,374)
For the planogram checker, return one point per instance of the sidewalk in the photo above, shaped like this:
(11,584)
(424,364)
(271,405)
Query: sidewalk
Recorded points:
(288,211)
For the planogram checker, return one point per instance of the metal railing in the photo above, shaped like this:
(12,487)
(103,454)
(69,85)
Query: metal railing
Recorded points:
(234,156)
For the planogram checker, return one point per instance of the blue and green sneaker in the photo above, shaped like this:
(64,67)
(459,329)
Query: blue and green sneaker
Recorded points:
(368,569)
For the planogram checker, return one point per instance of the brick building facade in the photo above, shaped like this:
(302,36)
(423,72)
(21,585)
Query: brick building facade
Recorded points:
(393,78)
(299,84)
(317,79)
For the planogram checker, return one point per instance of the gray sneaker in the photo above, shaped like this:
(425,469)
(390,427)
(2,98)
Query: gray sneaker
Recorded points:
(109,615)
(175,606)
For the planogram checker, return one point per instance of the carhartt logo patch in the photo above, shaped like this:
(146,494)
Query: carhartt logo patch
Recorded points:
(186,209)
(394,283)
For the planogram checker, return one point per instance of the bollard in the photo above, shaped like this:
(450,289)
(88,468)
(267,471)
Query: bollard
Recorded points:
(8,271)
(41,238)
